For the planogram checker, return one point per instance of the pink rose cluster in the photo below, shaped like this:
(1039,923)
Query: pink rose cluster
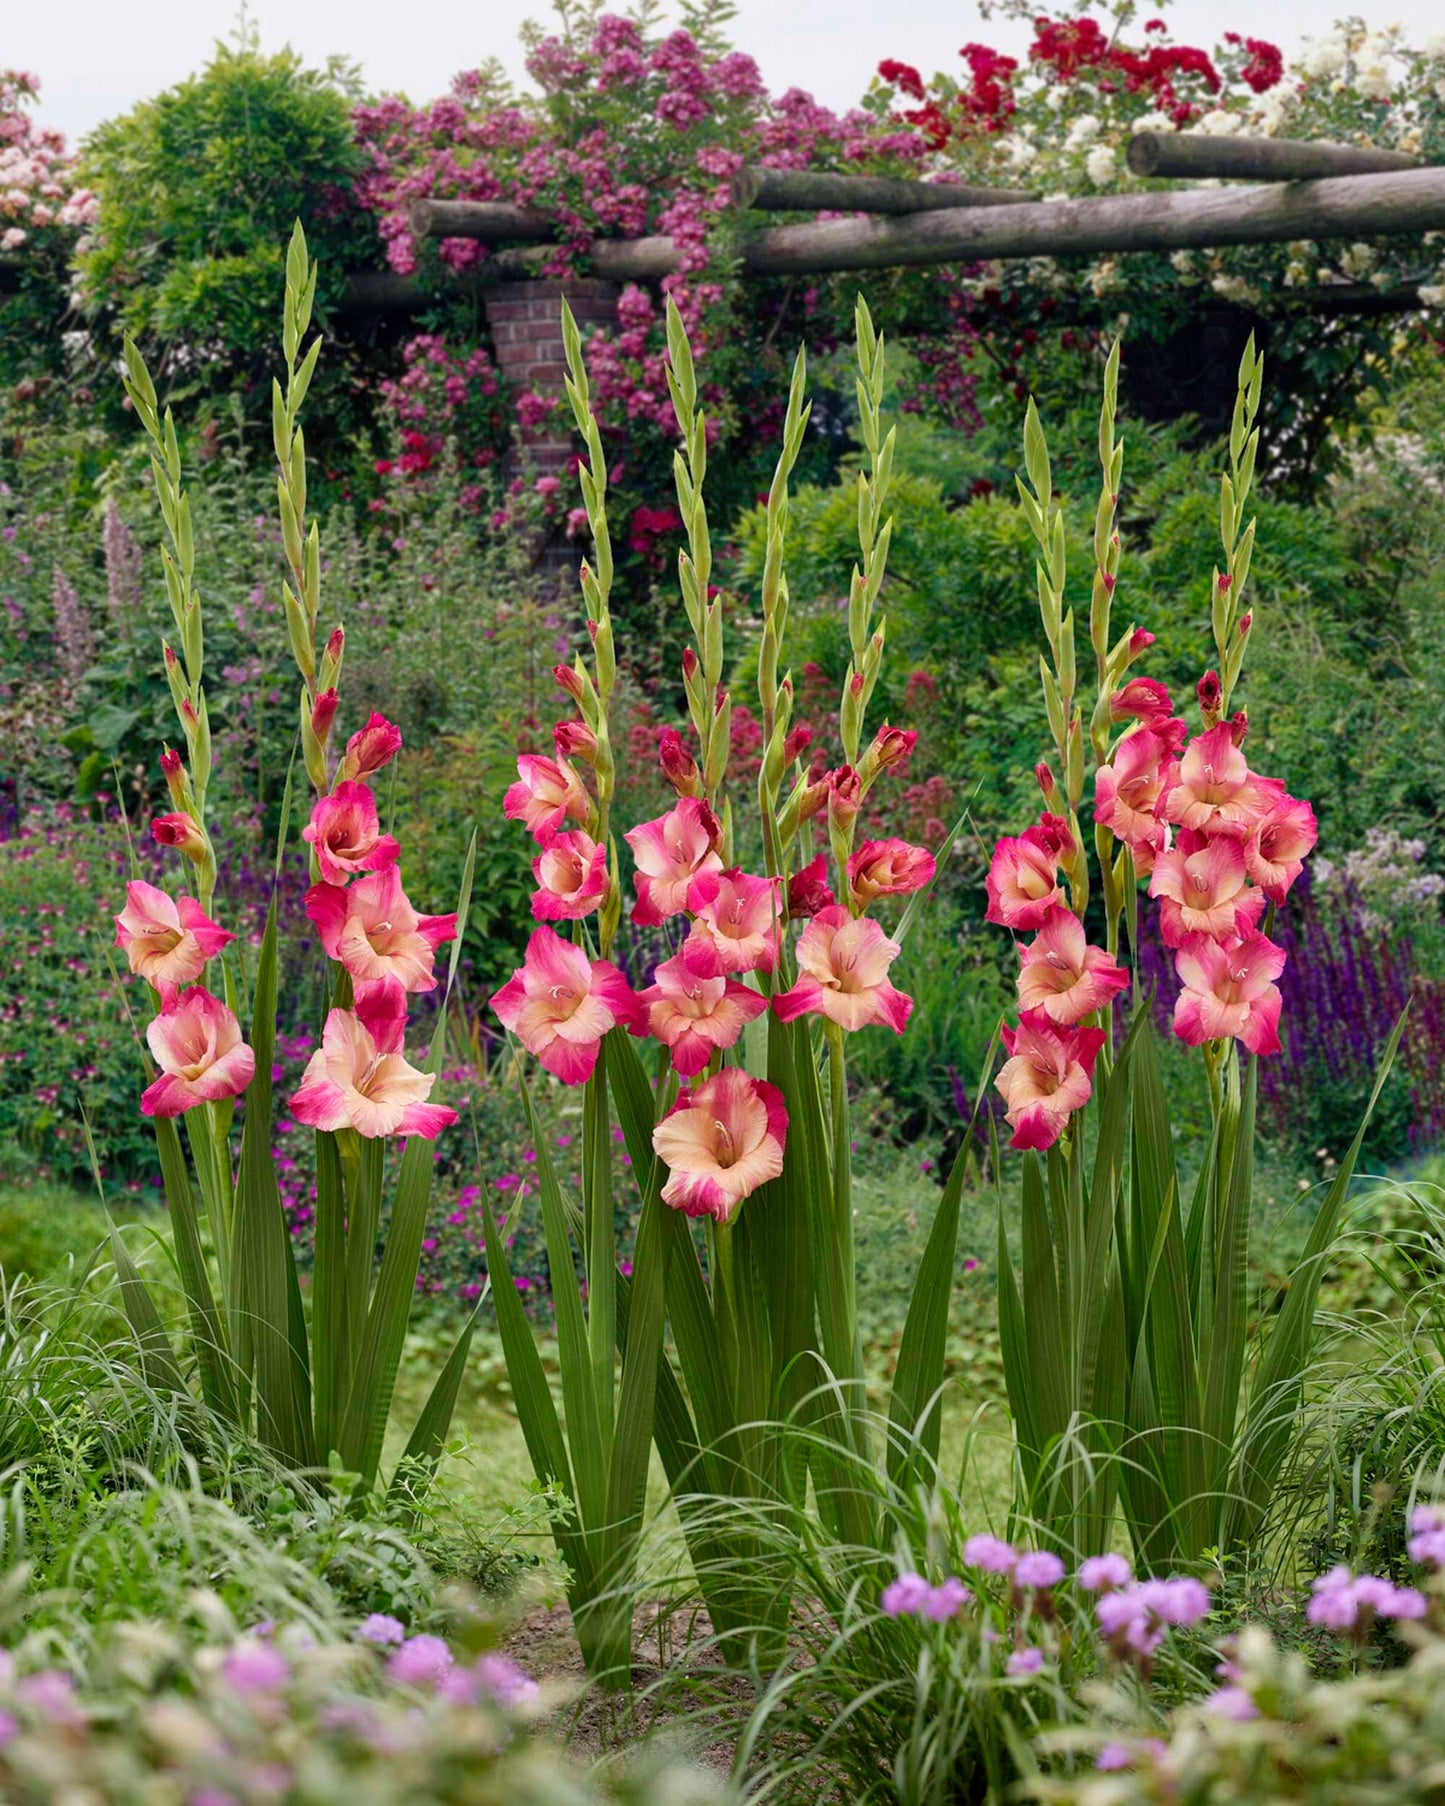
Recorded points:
(1219,844)
(726,1133)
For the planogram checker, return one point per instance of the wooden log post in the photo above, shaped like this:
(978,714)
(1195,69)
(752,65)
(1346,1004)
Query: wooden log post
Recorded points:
(490,222)
(813,191)
(1200,155)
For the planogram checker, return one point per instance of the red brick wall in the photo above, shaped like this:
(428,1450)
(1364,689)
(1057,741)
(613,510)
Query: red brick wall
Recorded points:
(526,325)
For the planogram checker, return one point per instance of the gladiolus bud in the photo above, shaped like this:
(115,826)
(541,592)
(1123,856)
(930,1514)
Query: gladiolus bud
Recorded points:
(1140,640)
(1211,695)
(1049,785)
(172,662)
(845,792)
(575,740)
(176,780)
(814,798)
(808,890)
(323,713)
(336,645)
(689,663)
(678,765)
(1245,623)
(182,832)
(370,749)
(855,683)
(1109,580)
(1238,726)
(1225,582)
(567,679)
(190,720)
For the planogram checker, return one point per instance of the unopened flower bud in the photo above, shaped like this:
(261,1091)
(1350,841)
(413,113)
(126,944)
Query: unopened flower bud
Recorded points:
(1211,696)
(190,720)
(1246,621)
(1226,582)
(1109,581)
(1053,835)
(568,679)
(370,748)
(855,683)
(323,713)
(689,663)
(1140,640)
(711,826)
(172,662)
(1238,726)
(593,629)
(845,792)
(182,832)
(678,765)
(891,746)
(809,891)
(575,740)
(336,645)
(720,701)
(814,798)
(177,783)
(798,741)
(1049,785)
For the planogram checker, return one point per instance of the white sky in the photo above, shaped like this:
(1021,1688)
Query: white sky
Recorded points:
(95,58)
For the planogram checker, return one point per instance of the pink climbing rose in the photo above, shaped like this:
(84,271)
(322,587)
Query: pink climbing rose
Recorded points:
(737,926)
(720,1142)
(692,1016)
(1062,975)
(1047,1077)
(360,1079)
(888,868)
(547,793)
(571,874)
(560,1004)
(1229,990)
(843,963)
(167,941)
(345,831)
(1204,887)
(196,1042)
(372,929)
(670,852)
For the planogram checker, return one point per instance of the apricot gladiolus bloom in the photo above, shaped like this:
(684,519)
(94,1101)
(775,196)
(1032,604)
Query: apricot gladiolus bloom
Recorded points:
(693,1016)
(737,924)
(721,1142)
(670,852)
(361,1080)
(888,868)
(377,935)
(196,1042)
(843,966)
(1062,975)
(166,941)
(1127,792)
(1214,790)
(1022,884)
(560,1004)
(1047,1077)
(345,830)
(571,874)
(547,793)
(1205,889)
(1229,990)
(369,749)
(1274,853)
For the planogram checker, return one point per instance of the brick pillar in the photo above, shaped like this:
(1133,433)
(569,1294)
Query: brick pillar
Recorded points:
(525,319)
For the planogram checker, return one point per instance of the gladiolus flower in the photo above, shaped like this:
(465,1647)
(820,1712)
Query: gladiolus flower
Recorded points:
(167,942)
(359,1079)
(1209,693)
(345,830)
(670,853)
(888,868)
(547,793)
(721,1142)
(575,740)
(370,749)
(196,1042)
(1204,890)
(809,890)
(796,742)
(1127,792)
(323,713)
(678,765)
(891,746)
(1214,791)
(183,833)
(560,1004)
(693,1016)
(1141,699)
(737,924)
(377,935)
(1229,991)
(1274,852)
(843,966)
(1022,884)
(1064,976)
(571,874)
(845,793)
(1047,1077)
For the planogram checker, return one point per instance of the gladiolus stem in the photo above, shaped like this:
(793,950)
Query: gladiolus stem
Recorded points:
(843,1174)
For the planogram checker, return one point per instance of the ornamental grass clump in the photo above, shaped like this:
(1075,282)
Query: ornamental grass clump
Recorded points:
(315,1390)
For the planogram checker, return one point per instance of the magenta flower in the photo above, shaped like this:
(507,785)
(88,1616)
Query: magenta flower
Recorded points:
(369,749)
(547,793)
(670,852)
(196,1042)
(946,1600)
(1127,792)
(1275,851)
(420,1662)
(1214,790)
(1229,991)
(737,926)
(503,1680)
(888,868)
(693,1016)
(183,833)
(1038,1569)
(1024,1662)
(843,966)
(375,933)
(721,1142)
(359,1079)
(571,875)
(560,1004)
(809,891)
(345,830)
(1205,890)
(990,1553)
(381,1629)
(166,941)
(255,1667)
(1022,883)
(905,1596)
(1103,1573)
(1232,1703)
(1046,1078)
(1062,975)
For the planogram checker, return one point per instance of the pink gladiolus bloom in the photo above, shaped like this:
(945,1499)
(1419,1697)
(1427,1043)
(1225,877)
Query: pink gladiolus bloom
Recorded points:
(1229,990)
(196,1042)
(345,830)
(370,749)
(721,1142)
(560,1004)
(571,874)
(1141,699)
(888,868)
(547,793)
(1214,790)
(1204,890)
(670,852)
(377,935)
(1048,1075)
(737,926)
(693,1016)
(809,891)
(1064,976)
(359,1079)
(1022,884)
(1127,792)
(1275,850)
(843,966)
(167,942)
(182,832)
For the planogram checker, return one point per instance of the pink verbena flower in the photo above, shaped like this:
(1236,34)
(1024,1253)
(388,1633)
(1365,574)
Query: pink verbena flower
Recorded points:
(382,1629)
(990,1553)
(560,1004)
(905,1596)
(671,852)
(1024,1662)
(345,830)
(166,941)
(720,1142)
(1047,1077)
(359,1079)
(255,1667)
(843,963)
(1103,1573)
(1232,1703)
(1229,991)
(196,1042)
(1062,975)
(1038,1568)
(692,1016)
(420,1662)
(738,924)
(571,874)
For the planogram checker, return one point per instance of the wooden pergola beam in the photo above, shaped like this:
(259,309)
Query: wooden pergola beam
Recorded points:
(1201,155)
(814,191)
(490,222)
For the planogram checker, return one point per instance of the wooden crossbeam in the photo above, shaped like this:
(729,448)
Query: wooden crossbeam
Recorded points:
(815,191)
(1202,154)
